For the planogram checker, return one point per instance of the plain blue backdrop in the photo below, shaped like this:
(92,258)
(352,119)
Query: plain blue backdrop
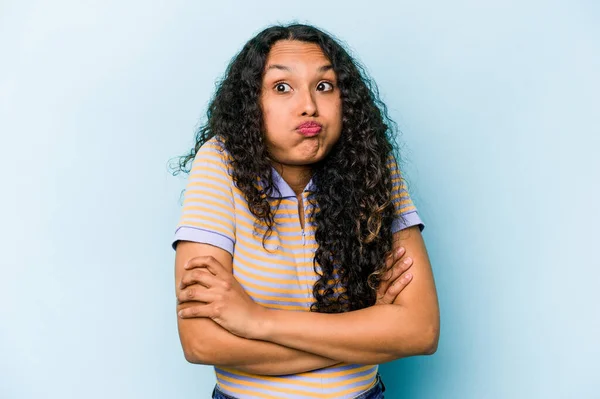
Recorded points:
(498,106)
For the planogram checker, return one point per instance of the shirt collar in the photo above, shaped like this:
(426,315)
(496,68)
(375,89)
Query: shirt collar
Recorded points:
(284,189)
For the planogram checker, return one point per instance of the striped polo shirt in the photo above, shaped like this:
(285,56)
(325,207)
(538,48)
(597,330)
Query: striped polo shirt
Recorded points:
(278,277)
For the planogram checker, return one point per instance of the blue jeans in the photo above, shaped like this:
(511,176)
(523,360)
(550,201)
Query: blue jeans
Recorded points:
(375,392)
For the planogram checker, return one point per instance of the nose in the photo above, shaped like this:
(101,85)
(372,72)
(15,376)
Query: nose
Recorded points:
(308,105)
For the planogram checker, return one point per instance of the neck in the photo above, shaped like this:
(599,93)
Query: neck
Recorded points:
(296,176)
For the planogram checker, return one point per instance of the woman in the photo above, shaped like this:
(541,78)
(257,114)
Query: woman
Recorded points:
(295,230)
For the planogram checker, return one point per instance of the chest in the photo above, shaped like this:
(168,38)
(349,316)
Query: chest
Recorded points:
(277,270)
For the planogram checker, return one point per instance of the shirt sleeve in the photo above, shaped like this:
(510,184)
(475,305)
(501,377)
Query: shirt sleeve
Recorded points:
(405,209)
(208,214)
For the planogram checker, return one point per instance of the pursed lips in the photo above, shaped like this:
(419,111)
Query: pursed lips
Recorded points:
(309,128)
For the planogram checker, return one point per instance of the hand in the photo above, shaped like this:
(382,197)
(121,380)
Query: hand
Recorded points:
(394,279)
(224,300)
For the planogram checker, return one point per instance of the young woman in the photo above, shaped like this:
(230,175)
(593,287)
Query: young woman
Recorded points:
(297,230)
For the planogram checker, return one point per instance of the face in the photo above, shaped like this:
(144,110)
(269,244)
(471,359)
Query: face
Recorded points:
(300,86)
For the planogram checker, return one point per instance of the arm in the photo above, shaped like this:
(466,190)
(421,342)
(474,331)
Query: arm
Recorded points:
(208,216)
(205,342)
(409,326)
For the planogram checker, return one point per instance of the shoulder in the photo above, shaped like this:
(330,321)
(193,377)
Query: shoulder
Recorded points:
(211,156)
(392,164)
(398,183)
(406,212)
(213,148)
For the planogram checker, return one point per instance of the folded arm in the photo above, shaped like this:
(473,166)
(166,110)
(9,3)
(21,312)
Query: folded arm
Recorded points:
(409,326)
(205,342)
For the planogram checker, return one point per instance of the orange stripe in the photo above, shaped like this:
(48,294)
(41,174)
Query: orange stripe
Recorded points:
(271,279)
(309,384)
(203,162)
(219,223)
(401,195)
(289,281)
(406,209)
(255,243)
(263,259)
(297,229)
(402,184)
(283,299)
(308,374)
(206,182)
(226,215)
(245,282)
(286,307)
(355,390)
(308,230)
(246,392)
(272,270)
(258,385)
(203,195)
(252,244)
(275,290)
(295,383)
(261,230)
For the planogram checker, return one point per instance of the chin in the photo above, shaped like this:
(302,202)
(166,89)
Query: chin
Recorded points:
(311,159)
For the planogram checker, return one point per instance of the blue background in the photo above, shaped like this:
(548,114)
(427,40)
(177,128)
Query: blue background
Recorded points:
(498,105)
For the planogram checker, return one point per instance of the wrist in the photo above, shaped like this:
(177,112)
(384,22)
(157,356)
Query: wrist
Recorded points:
(263,324)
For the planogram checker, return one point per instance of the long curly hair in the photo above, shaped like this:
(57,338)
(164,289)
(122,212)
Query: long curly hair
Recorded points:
(352,201)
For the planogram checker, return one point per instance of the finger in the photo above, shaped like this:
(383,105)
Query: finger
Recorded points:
(207,262)
(195,293)
(195,311)
(203,278)
(392,272)
(396,288)
(403,264)
(394,256)
(199,262)
(385,285)
(193,276)
(400,267)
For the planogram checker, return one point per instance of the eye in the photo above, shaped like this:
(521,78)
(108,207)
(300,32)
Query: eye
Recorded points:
(325,86)
(282,88)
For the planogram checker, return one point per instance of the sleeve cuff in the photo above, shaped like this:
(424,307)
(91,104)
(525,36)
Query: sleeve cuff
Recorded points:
(186,233)
(410,219)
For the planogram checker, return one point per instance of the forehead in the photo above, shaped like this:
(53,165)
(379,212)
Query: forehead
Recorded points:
(294,51)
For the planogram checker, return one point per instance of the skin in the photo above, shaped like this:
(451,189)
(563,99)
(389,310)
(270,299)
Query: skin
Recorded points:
(213,307)
(299,85)
(204,341)
(378,334)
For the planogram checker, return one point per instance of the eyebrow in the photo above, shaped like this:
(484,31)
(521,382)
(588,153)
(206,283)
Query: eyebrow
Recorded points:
(323,68)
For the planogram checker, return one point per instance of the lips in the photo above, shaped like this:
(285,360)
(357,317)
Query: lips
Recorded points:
(309,128)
